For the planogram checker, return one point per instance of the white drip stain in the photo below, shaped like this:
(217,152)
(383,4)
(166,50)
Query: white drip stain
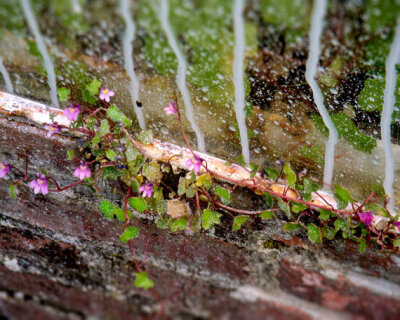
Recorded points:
(48,63)
(181,75)
(6,76)
(387,111)
(76,6)
(311,70)
(238,64)
(127,45)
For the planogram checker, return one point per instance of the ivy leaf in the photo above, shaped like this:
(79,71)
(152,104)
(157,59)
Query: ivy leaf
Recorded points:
(145,136)
(131,153)
(254,169)
(143,281)
(129,233)
(111,154)
(223,194)
(11,190)
(209,219)
(308,188)
(324,215)
(119,213)
(182,186)
(111,173)
(151,171)
(93,87)
(204,181)
(161,206)
(297,207)
(271,173)
(96,139)
(175,225)
(116,115)
(362,245)
(104,127)
(290,175)
(328,233)
(91,122)
(396,243)
(240,160)
(343,193)
(267,215)
(70,155)
(285,208)
(63,94)
(269,200)
(238,221)
(291,226)
(162,223)
(314,233)
(342,225)
(190,191)
(106,208)
(138,203)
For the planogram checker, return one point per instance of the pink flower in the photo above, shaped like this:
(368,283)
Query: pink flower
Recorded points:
(105,94)
(52,129)
(40,184)
(82,171)
(147,190)
(397,225)
(194,165)
(171,109)
(72,112)
(4,169)
(366,217)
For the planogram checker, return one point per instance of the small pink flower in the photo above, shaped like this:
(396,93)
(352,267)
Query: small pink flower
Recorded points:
(83,171)
(72,112)
(366,217)
(106,93)
(147,190)
(397,225)
(194,165)
(52,129)
(40,184)
(4,169)
(171,109)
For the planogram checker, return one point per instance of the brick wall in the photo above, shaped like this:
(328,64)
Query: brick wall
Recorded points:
(60,259)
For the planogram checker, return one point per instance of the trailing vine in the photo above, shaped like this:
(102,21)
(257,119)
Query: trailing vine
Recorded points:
(113,150)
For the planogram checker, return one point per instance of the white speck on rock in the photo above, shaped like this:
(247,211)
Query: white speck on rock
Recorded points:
(12,264)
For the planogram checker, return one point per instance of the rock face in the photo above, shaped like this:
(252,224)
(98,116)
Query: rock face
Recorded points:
(61,259)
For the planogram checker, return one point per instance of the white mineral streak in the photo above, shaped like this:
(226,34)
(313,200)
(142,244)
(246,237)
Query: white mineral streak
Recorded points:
(76,6)
(48,63)
(127,44)
(386,119)
(238,65)
(311,71)
(6,77)
(181,75)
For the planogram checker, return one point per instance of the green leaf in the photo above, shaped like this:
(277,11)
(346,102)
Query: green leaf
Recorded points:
(162,223)
(267,215)
(308,188)
(63,94)
(145,136)
(96,139)
(161,206)
(272,173)
(151,171)
(290,175)
(204,181)
(116,115)
(129,233)
(240,160)
(269,200)
(343,193)
(190,191)
(362,245)
(254,168)
(11,190)
(182,186)
(119,213)
(285,208)
(104,127)
(328,233)
(314,233)
(324,215)
(175,225)
(396,243)
(111,154)
(238,221)
(131,152)
(138,203)
(209,219)
(297,207)
(342,225)
(111,173)
(91,122)
(291,226)
(223,194)
(106,207)
(143,281)
(93,87)
(70,155)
